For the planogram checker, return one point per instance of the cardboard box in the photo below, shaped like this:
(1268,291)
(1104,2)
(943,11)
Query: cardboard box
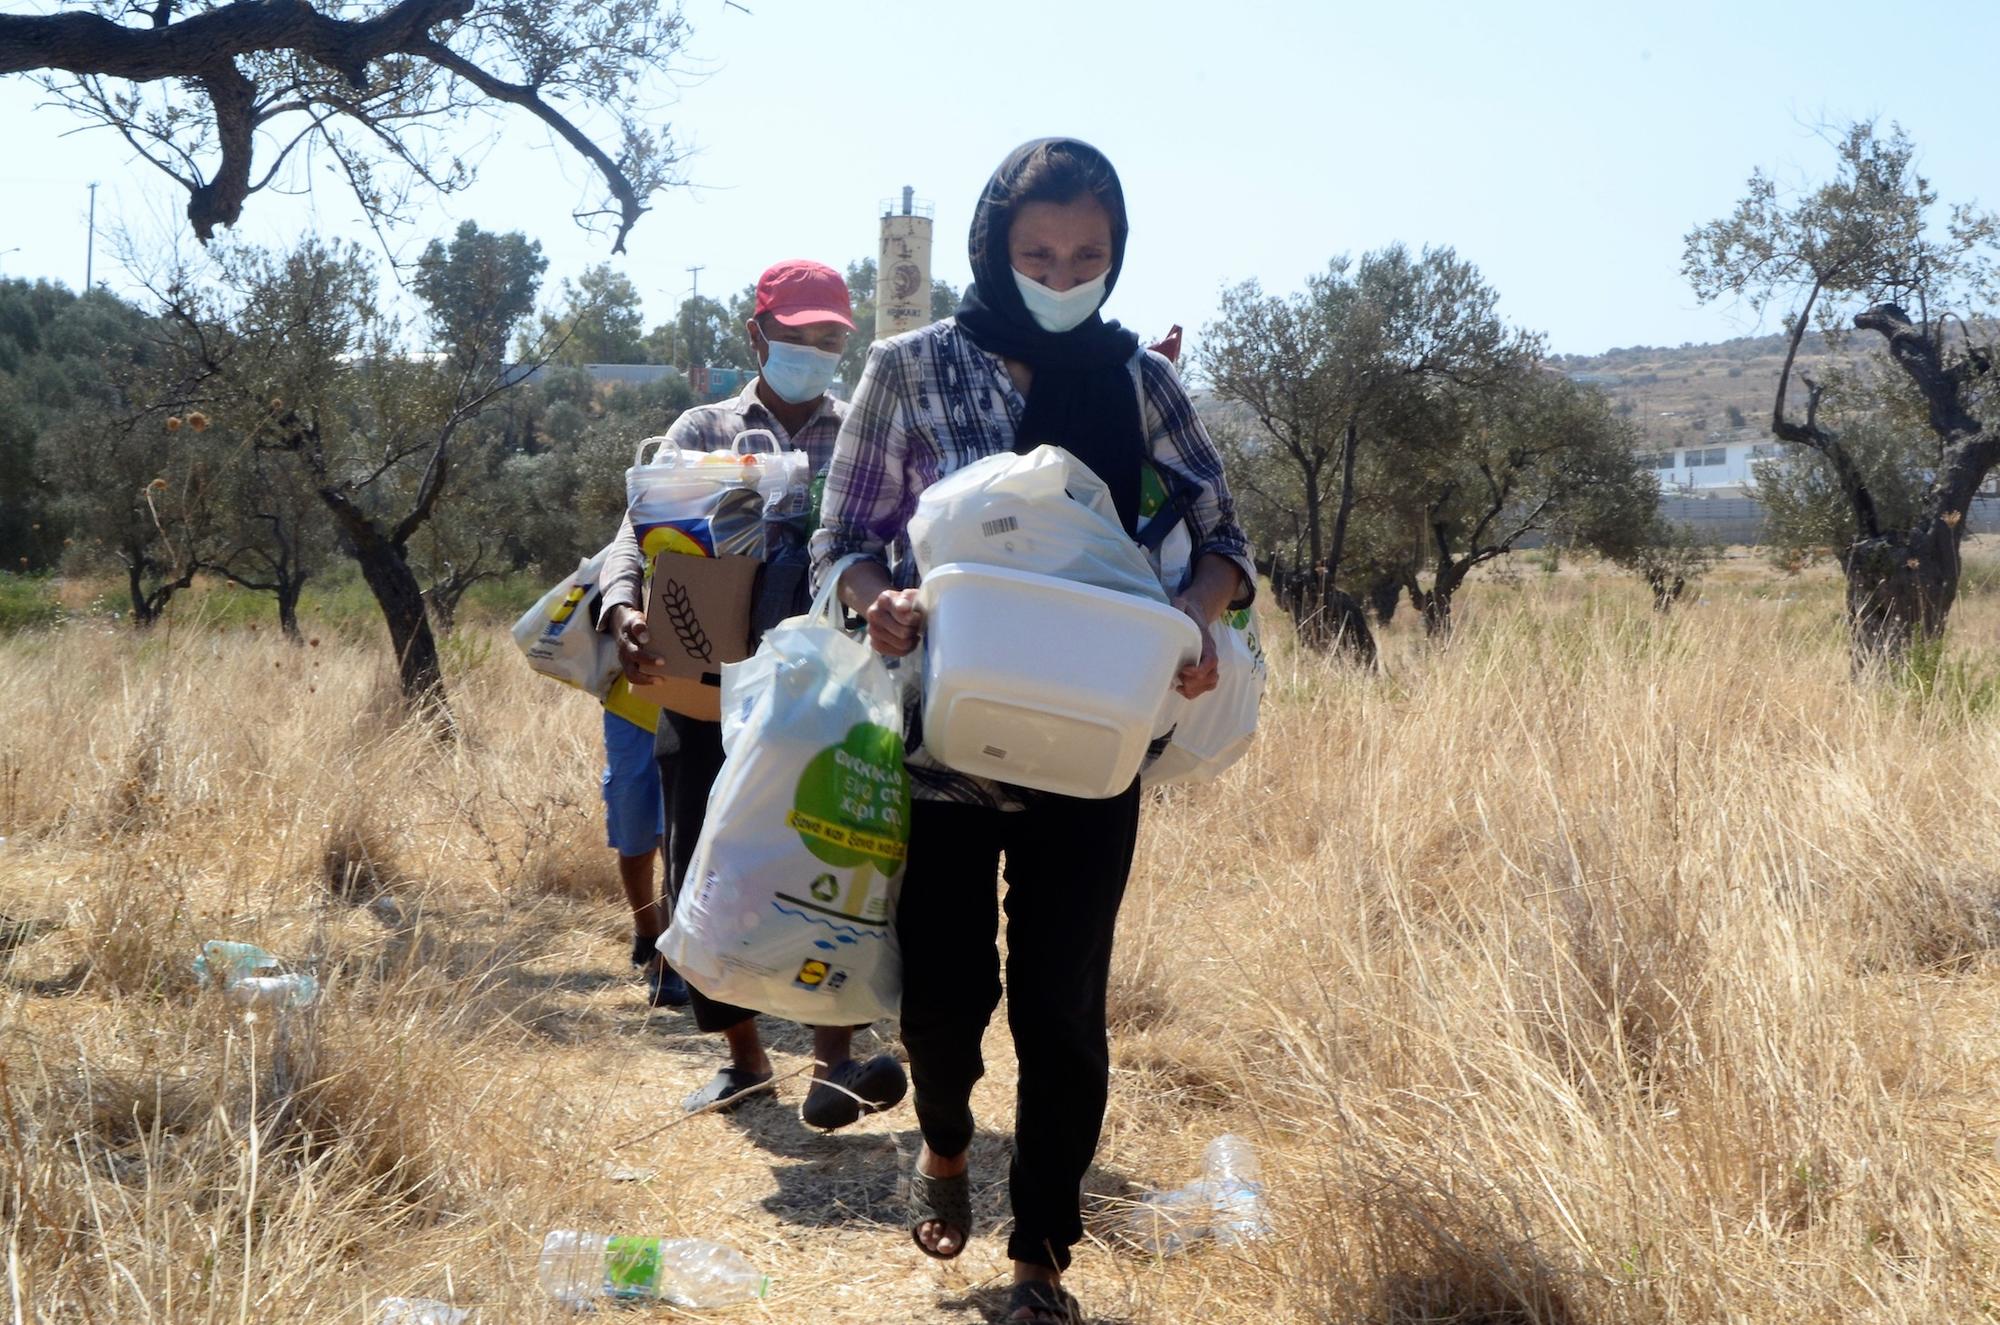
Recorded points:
(698,618)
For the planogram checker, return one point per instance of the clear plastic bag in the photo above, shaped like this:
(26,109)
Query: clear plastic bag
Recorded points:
(714,503)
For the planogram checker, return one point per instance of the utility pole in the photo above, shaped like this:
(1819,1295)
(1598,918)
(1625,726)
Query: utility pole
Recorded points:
(694,281)
(90,247)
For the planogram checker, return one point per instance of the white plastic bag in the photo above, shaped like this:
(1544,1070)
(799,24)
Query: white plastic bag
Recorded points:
(1215,729)
(559,637)
(1044,512)
(791,893)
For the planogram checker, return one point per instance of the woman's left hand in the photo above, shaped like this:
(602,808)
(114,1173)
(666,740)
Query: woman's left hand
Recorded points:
(1198,678)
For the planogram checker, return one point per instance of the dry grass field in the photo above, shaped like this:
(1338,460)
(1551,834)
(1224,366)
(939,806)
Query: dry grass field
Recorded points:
(1598,969)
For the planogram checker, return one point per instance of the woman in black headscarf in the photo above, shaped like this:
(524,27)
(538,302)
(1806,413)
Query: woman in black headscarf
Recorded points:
(1026,360)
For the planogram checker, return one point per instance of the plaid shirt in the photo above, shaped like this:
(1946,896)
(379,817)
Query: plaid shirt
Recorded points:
(716,427)
(931,402)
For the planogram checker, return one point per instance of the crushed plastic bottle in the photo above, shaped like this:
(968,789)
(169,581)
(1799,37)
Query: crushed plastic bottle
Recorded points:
(274,991)
(1236,1197)
(1226,1204)
(420,1311)
(578,1267)
(225,963)
(234,967)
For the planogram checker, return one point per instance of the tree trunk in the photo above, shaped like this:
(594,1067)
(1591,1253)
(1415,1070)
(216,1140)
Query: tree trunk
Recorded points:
(401,598)
(1900,587)
(288,592)
(1346,505)
(144,614)
(1346,625)
(444,611)
(394,585)
(1313,541)
(1436,604)
(1384,596)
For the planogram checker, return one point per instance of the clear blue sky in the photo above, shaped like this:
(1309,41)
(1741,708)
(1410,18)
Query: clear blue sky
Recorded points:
(1565,148)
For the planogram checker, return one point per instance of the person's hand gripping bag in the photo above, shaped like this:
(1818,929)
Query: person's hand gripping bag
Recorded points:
(792,890)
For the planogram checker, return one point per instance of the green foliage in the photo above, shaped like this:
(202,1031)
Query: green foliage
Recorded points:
(600,321)
(1866,235)
(27,601)
(1365,350)
(478,288)
(60,357)
(1670,557)
(1964,685)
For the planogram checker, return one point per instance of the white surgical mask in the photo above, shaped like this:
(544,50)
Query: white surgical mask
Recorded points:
(799,373)
(1059,312)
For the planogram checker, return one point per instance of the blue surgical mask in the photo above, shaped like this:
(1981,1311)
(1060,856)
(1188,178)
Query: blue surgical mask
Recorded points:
(1060,312)
(799,373)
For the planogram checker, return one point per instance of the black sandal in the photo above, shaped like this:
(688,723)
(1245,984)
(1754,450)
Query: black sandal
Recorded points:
(1047,1303)
(943,1201)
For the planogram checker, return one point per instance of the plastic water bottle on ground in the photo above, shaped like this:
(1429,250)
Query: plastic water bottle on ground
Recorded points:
(1226,1203)
(1168,1223)
(688,1272)
(274,991)
(420,1311)
(1229,1171)
(226,963)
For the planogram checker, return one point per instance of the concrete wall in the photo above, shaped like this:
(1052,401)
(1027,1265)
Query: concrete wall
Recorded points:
(1741,519)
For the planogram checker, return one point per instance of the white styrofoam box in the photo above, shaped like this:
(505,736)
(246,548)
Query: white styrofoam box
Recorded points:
(1043,682)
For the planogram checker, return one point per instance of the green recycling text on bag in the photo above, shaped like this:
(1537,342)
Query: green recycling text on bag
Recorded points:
(792,887)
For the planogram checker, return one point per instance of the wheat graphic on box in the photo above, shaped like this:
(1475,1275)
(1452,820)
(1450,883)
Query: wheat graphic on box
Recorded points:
(680,615)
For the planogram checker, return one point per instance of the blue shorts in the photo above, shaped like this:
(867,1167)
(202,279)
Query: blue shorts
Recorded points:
(635,816)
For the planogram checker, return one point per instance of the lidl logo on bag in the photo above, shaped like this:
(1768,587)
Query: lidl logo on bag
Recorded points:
(812,974)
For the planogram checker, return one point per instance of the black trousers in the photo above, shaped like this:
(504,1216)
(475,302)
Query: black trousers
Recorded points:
(1067,862)
(686,775)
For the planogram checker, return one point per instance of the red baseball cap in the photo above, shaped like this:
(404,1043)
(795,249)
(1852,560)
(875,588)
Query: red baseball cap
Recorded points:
(799,293)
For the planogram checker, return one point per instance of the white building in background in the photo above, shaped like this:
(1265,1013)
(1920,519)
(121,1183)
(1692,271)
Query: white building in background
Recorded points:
(1725,466)
(1712,468)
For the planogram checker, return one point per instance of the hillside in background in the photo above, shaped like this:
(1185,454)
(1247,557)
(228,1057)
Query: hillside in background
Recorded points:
(1696,393)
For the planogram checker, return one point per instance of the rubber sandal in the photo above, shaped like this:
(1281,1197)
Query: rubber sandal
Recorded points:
(853,1089)
(726,1090)
(946,1201)
(1047,1304)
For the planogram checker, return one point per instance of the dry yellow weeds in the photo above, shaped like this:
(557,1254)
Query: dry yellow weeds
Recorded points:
(1597,970)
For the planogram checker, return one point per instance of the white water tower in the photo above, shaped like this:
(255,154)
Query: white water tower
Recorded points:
(903,268)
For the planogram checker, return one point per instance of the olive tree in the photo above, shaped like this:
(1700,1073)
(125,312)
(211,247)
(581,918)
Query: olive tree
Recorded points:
(1346,363)
(1871,250)
(293,357)
(1528,454)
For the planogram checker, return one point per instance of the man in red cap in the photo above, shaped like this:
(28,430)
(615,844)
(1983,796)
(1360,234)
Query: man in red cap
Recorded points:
(798,331)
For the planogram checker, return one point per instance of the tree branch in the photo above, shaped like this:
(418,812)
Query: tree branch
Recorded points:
(1918,356)
(630,206)
(88,45)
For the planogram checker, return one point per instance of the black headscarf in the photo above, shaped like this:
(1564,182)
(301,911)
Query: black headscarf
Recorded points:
(1082,397)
